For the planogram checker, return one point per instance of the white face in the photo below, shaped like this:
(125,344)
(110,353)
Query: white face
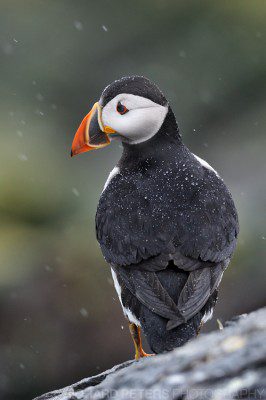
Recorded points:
(142,121)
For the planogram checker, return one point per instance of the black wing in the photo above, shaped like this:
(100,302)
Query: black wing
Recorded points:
(185,214)
(149,291)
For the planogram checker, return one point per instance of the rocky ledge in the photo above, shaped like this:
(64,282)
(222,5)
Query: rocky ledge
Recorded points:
(226,364)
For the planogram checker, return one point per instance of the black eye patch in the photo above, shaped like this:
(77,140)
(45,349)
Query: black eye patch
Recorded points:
(121,109)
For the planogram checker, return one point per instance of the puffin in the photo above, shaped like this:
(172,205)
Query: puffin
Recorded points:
(166,223)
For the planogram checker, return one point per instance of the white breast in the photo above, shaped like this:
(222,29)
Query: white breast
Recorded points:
(113,173)
(207,316)
(131,317)
(205,164)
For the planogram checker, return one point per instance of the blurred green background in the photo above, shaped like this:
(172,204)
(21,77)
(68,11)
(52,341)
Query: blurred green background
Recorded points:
(60,319)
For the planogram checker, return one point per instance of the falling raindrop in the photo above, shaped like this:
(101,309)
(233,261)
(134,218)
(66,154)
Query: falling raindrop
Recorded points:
(39,97)
(78,25)
(84,312)
(39,112)
(75,191)
(22,157)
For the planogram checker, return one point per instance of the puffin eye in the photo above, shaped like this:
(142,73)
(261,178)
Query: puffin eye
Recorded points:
(121,108)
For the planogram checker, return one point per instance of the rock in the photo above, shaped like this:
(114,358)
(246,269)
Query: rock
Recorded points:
(222,365)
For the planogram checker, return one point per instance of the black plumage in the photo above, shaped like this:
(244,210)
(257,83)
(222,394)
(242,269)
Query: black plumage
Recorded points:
(153,325)
(167,225)
(137,85)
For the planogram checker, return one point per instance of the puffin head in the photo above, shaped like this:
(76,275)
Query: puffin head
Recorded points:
(131,109)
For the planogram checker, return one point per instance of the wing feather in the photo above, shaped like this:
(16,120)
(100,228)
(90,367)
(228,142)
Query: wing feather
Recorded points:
(200,285)
(149,291)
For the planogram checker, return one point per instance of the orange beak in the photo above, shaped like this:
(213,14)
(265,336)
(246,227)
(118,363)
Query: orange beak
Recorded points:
(91,133)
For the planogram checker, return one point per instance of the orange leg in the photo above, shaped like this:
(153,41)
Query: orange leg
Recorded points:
(199,328)
(135,334)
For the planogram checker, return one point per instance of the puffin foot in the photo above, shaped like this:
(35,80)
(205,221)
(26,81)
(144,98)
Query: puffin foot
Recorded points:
(143,354)
(136,337)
